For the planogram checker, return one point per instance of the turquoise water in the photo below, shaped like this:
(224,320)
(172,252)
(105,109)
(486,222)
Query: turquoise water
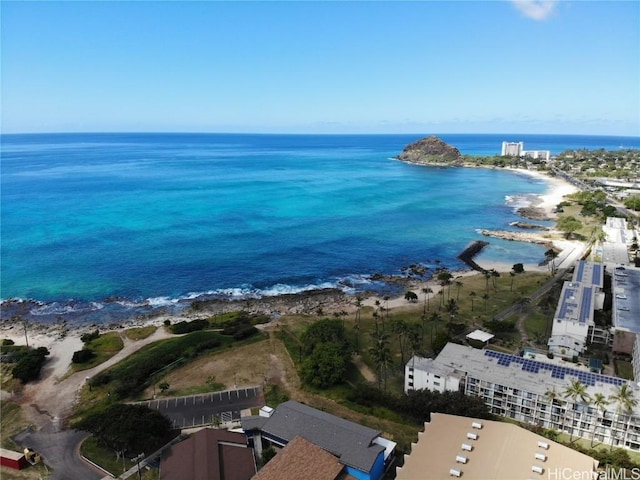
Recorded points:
(148,219)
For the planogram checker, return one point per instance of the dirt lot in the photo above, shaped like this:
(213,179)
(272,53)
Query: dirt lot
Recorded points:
(251,365)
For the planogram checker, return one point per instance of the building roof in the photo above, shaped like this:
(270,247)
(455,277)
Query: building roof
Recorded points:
(534,376)
(501,451)
(301,459)
(480,335)
(209,454)
(352,443)
(626,298)
(589,273)
(576,304)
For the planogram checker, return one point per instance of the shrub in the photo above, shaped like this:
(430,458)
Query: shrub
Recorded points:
(7,341)
(29,366)
(87,337)
(83,356)
(188,327)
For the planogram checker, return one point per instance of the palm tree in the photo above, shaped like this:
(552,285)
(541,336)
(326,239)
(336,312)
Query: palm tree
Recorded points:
(426,292)
(487,276)
(494,275)
(459,285)
(553,397)
(472,295)
(623,398)
(599,401)
(452,307)
(512,275)
(381,355)
(485,297)
(444,278)
(399,327)
(576,391)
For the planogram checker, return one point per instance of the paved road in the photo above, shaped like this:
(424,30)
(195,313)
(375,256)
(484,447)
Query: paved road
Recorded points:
(196,410)
(60,452)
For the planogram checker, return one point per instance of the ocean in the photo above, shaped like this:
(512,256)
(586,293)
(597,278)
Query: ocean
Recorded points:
(100,227)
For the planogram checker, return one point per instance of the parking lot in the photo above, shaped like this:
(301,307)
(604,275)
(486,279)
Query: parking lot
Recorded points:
(204,409)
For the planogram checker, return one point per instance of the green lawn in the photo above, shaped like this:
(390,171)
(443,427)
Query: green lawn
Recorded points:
(105,347)
(140,333)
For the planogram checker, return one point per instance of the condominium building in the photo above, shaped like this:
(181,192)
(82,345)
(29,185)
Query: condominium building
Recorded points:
(538,391)
(471,448)
(573,321)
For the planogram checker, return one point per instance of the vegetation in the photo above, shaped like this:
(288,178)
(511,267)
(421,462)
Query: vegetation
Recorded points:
(98,348)
(128,429)
(327,352)
(29,364)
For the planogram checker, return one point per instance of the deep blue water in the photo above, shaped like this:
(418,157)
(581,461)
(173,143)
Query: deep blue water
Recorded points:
(153,218)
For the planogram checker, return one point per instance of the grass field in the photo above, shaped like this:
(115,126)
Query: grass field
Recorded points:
(104,347)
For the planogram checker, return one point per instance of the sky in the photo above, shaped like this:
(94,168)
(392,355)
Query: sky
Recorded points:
(522,66)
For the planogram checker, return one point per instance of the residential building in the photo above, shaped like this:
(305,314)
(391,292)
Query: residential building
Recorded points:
(483,449)
(512,149)
(301,459)
(573,321)
(364,453)
(209,454)
(536,391)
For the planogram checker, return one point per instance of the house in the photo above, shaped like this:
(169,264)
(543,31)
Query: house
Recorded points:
(209,454)
(453,446)
(11,459)
(362,451)
(301,459)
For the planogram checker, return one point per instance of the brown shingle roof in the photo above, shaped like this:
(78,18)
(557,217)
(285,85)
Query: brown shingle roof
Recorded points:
(301,459)
(209,454)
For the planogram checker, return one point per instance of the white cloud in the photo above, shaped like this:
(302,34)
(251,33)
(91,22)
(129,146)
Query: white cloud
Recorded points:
(536,9)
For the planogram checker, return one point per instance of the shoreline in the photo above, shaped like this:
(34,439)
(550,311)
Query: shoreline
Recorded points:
(301,302)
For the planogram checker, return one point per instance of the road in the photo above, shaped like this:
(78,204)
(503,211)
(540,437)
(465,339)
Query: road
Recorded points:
(60,453)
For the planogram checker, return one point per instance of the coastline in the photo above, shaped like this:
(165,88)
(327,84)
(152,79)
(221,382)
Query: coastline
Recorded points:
(327,299)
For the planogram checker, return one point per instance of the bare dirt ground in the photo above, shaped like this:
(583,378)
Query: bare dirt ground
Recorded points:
(48,402)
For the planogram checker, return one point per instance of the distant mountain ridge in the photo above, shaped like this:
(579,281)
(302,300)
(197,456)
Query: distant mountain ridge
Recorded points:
(431,150)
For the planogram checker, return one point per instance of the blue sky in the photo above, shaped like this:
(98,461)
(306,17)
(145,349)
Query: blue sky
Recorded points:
(322,67)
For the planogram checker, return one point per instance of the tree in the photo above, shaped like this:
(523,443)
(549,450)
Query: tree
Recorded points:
(459,285)
(127,428)
(568,225)
(485,297)
(518,268)
(426,292)
(624,400)
(29,365)
(399,327)
(452,308)
(411,296)
(323,331)
(325,366)
(576,391)
(444,278)
(632,202)
(473,296)
(551,255)
(381,355)
(164,386)
(599,401)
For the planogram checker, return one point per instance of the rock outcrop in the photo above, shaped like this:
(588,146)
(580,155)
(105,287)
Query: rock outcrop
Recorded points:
(431,150)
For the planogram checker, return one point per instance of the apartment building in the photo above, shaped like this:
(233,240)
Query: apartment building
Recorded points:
(538,391)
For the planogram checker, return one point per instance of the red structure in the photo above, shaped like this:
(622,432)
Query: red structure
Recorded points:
(11,459)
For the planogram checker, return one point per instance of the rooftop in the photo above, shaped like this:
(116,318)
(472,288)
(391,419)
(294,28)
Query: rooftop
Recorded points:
(522,373)
(209,454)
(626,298)
(352,443)
(302,459)
(589,273)
(500,451)
(576,304)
